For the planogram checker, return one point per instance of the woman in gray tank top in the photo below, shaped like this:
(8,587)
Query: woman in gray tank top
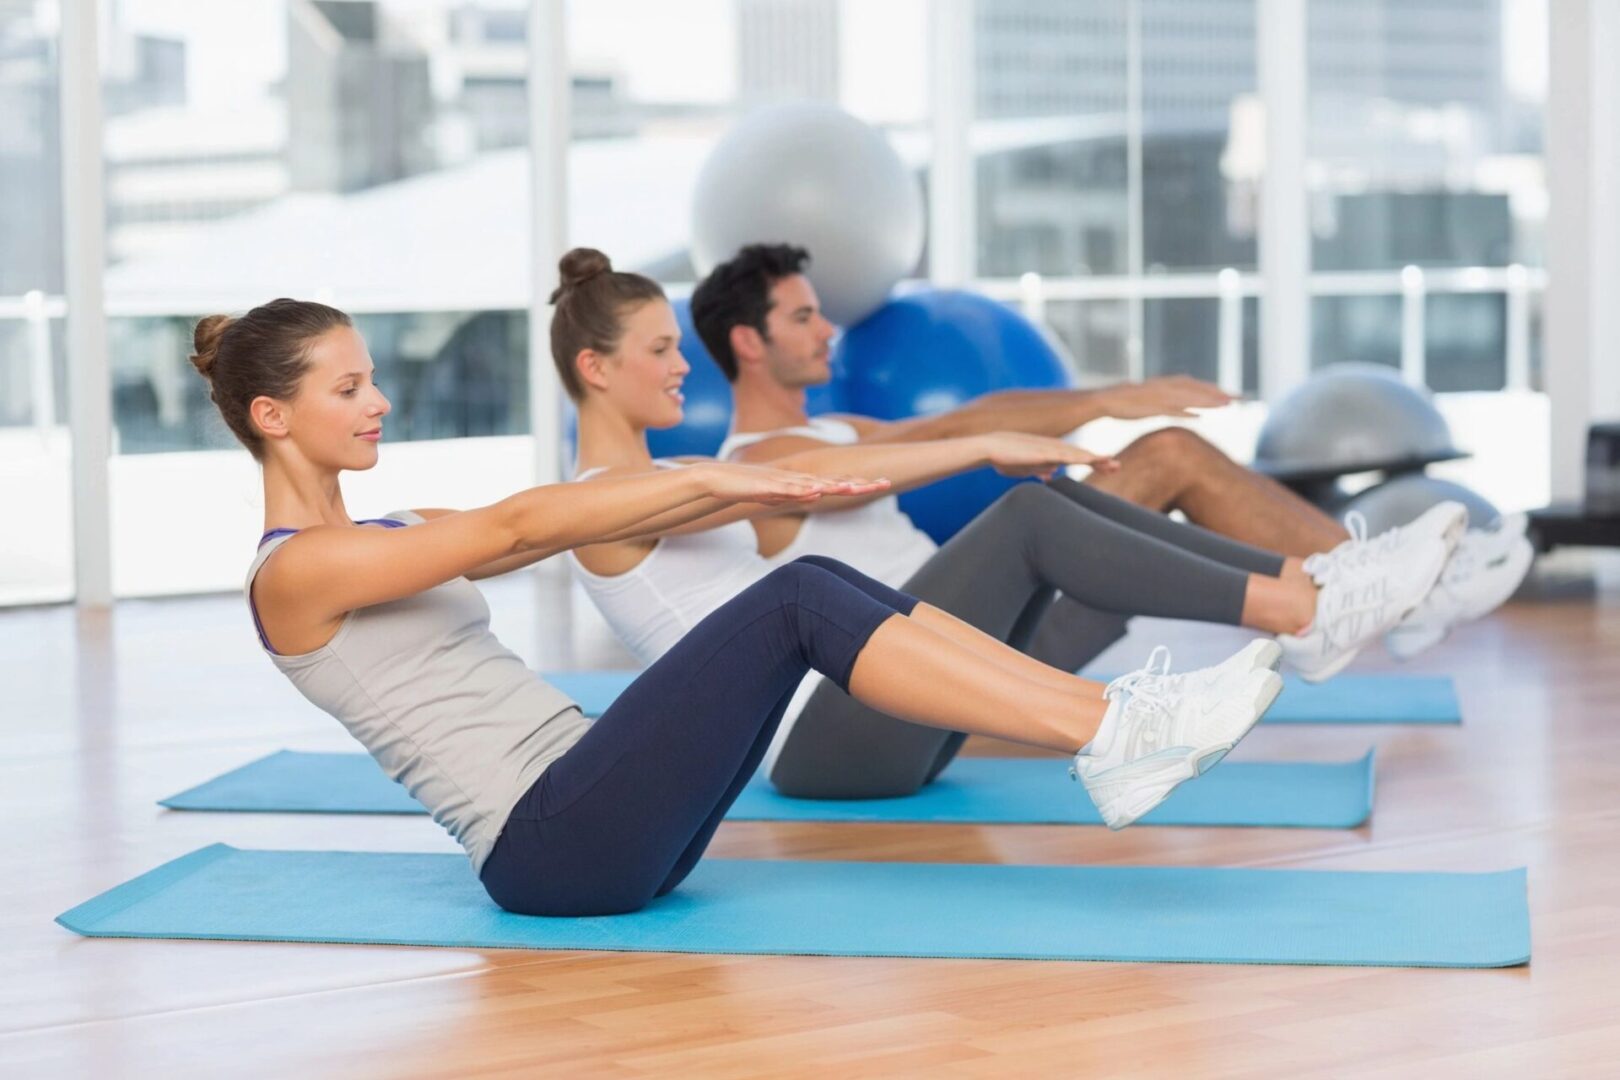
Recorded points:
(378,624)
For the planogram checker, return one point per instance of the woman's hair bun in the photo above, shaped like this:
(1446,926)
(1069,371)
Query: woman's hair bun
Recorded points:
(579,266)
(205,340)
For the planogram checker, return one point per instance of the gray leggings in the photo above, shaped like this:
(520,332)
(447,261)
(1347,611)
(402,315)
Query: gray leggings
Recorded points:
(1108,558)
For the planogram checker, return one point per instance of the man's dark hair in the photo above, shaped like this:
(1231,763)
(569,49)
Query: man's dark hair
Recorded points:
(738,293)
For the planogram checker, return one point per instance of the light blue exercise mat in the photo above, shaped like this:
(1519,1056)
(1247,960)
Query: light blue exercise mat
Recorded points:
(1367,699)
(848,909)
(594,691)
(1029,791)
(1348,699)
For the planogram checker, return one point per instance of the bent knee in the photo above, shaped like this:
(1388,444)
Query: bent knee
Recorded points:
(1025,497)
(789,583)
(1169,444)
(789,578)
(822,562)
(1025,508)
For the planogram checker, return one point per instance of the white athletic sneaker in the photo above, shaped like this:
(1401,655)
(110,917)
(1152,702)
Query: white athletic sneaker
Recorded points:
(1370,585)
(1161,730)
(1227,677)
(1481,574)
(1448,520)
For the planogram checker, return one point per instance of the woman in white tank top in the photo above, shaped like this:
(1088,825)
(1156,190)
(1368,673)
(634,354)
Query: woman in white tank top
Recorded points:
(878,538)
(378,624)
(653,590)
(681,579)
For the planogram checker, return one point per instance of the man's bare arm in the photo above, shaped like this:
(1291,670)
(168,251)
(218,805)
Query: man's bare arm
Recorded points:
(1049,412)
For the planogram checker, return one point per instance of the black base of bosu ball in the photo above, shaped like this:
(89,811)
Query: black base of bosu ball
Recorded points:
(1572,525)
(1321,487)
(1596,521)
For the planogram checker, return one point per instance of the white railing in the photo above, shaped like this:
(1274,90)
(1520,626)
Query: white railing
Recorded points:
(1032,292)
(1413,284)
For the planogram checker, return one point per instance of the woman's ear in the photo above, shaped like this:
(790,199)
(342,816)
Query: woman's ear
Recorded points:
(591,366)
(269,417)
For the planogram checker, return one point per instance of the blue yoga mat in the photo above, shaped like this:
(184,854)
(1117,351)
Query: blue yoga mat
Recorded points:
(1348,699)
(594,691)
(848,909)
(1029,791)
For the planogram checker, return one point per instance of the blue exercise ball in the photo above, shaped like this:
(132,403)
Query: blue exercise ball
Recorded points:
(932,351)
(707,408)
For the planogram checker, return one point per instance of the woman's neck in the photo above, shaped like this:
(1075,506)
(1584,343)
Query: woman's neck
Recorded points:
(607,440)
(298,496)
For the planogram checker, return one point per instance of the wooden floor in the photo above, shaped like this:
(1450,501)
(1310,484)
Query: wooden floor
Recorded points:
(100,717)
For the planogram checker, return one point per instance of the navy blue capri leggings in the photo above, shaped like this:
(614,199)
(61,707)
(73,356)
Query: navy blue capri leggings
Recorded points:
(628,811)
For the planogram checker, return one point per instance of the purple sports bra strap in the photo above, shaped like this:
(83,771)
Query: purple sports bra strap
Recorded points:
(273,533)
(388,523)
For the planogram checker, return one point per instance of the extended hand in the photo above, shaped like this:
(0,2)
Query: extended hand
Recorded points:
(1167,395)
(1016,454)
(773,487)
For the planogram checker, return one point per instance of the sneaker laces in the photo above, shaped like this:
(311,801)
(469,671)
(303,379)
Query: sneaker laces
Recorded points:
(1150,687)
(1156,668)
(1355,555)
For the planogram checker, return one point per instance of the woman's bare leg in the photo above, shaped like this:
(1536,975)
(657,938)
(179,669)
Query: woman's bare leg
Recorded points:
(1283,605)
(912,672)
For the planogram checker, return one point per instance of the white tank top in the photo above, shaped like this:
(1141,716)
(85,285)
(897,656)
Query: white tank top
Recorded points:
(652,605)
(877,539)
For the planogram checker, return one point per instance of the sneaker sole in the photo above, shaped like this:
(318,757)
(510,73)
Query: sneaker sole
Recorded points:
(1323,674)
(1266,654)
(1452,535)
(1405,644)
(1454,532)
(1261,654)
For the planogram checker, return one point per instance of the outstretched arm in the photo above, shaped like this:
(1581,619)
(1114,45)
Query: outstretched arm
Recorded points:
(902,467)
(1050,412)
(327,571)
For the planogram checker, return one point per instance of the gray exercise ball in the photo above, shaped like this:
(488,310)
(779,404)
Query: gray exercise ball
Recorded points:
(1352,417)
(1398,501)
(813,175)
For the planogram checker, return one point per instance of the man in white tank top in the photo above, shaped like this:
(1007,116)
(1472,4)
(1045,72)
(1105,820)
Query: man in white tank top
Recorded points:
(760,319)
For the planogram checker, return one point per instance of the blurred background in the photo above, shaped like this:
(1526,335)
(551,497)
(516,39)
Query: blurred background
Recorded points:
(1102,165)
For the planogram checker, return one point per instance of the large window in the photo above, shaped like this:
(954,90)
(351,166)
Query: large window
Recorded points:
(371,154)
(36,547)
(1428,198)
(1119,140)
(656,84)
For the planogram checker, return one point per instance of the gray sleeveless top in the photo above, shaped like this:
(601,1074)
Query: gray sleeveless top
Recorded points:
(444,707)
